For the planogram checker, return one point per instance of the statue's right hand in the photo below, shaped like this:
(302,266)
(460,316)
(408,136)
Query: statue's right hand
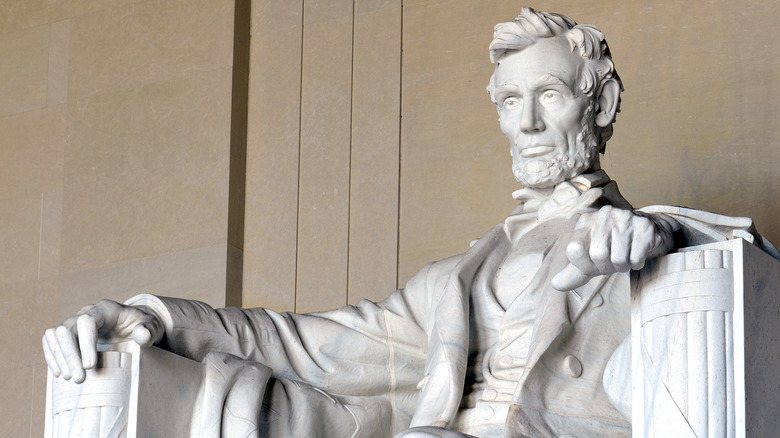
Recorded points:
(72,347)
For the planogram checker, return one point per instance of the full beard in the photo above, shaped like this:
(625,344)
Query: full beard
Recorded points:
(541,173)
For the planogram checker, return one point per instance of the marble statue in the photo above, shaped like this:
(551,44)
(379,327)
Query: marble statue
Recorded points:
(523,335)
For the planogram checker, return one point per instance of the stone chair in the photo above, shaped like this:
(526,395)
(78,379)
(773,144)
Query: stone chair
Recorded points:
(705,349)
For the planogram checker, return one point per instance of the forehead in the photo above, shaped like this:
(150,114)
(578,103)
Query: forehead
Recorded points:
(547,57)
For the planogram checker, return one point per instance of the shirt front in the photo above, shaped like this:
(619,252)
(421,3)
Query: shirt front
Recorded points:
(504,308)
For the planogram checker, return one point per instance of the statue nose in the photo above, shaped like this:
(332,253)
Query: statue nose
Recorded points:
(529,119)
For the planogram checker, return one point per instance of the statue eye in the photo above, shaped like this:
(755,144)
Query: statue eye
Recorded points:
(550,96)
(511,103)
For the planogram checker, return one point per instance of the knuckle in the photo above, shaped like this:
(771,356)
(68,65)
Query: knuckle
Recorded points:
(599,253)
(618,258)
(84,319)
(575,249)
(62,331)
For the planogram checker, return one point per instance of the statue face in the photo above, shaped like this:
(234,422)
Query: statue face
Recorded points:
(548,120)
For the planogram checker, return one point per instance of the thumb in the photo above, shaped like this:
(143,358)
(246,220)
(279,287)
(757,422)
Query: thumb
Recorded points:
(147,333)
(569,278)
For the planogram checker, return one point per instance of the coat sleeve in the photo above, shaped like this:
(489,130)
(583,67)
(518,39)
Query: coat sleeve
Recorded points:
(371,348)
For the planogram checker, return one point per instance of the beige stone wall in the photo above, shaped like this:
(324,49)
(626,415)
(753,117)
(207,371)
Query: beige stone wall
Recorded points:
(115,139)
(343,196)
(698,125)
(360,131)
(322,153)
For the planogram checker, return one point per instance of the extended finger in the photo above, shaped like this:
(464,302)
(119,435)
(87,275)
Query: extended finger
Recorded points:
(577,251)
(642,244)
(70,351)
(600,243)
(50,337)
(87,330)
(621,249)
(569,278)
(50,360)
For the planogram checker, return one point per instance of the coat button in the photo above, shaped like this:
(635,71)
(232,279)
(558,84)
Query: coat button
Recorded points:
(490,394)
(486,412)
(506,360)
(572,366)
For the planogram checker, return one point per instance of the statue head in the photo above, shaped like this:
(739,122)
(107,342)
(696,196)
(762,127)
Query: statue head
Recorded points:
(557,94)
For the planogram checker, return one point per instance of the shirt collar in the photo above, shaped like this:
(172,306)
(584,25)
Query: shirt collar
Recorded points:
(570,197)
(532,199)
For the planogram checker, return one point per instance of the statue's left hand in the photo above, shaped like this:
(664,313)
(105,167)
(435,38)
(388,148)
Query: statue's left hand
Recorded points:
(71,348)
(613,240)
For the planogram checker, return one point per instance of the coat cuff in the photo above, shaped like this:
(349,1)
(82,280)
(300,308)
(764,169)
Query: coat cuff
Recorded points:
(155,306)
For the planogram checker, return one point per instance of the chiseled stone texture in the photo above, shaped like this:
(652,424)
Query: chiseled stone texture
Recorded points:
(15,420)
(23,14)
(115,118)
(19,237)
(148,42)
(35,303)
(32,149)
(146,171)
(198,274)
(24,68)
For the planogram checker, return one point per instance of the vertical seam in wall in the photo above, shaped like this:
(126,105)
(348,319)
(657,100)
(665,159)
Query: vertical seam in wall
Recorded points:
(239,104)
(40,233)
(349,163)
(300,119)
(32,402)
(400,133)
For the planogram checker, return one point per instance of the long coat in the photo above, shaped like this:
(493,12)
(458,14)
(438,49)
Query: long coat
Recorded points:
(376,368)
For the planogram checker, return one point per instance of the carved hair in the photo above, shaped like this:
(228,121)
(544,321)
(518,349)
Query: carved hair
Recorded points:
(587,39)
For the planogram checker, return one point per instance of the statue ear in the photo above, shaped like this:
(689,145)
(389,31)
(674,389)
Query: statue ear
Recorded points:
(608,102)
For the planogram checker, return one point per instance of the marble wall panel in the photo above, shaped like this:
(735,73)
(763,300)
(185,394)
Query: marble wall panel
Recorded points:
(27,309)
(147,42)
(146,170)
(366,6)
(323,214)
(376,99)
(50,234)
(23,14)
(24,58)
(273,138)
(198,274)
(274,15)
(699,107)
(456,179)
(15,419)
(59,58)
(38,408)
(20,237)
(32,148)
(81,7)
(705,102)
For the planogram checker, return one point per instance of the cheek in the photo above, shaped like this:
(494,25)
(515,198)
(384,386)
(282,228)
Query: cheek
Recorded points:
(569,122)
(508,125)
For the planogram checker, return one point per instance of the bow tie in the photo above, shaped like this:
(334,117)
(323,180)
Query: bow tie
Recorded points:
(562,201)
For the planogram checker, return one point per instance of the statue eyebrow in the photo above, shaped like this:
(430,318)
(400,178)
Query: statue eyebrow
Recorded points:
(548,80)
(505,90)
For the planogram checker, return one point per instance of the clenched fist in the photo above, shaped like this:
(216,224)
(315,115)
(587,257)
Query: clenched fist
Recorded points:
(613,240)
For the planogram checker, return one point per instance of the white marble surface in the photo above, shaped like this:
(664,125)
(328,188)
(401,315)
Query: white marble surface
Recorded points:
(510,338)
(704,330)
(133,392)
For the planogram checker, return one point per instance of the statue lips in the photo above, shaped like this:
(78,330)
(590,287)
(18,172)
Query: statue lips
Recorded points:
(536,150)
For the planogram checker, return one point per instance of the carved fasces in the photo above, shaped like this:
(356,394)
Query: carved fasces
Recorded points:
(132,392)
(686,345)
(96,408)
